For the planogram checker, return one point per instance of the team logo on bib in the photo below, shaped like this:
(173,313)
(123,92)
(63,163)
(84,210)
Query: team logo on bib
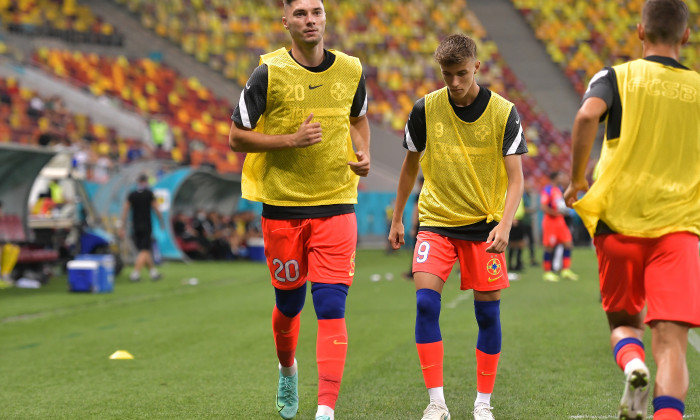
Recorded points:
(494,267)
(339,91)
(483,132)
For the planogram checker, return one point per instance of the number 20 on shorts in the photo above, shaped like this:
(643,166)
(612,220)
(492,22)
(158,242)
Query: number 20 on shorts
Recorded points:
(286,271)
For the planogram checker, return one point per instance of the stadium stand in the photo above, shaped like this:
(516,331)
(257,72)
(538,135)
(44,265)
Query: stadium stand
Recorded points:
(584,36)
(65,20)
(198,119)
(31,119)
(396,53)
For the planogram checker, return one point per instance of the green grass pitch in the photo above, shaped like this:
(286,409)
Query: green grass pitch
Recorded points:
(206,351)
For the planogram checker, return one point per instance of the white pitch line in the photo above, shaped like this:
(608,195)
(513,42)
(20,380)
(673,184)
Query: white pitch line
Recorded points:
(456,301)
(694,340)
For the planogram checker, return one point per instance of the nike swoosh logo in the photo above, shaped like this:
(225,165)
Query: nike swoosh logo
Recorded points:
(427,367)
(247,86)
(280,407)
(486,374)
(492,280)
(314,87)
(339,342)
(285,332)
(517,120)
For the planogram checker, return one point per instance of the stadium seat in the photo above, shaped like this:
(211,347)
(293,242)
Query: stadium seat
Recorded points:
(396,53)
(152,89)
(52,124)
(584,36)
(65,20)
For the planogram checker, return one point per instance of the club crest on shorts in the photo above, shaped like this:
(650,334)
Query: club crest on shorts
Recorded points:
(493,267)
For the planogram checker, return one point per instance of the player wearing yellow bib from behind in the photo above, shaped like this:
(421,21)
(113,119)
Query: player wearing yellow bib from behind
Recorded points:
(643,210)
(468,141)
(298,118)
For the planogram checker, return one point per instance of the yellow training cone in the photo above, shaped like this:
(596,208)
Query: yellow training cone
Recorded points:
(121,355)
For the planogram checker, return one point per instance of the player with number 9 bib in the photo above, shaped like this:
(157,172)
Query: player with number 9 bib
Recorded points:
(468,141)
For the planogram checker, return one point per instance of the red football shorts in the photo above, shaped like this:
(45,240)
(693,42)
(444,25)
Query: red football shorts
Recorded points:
(481,270)
(663,272)
(554,231)
(319,250)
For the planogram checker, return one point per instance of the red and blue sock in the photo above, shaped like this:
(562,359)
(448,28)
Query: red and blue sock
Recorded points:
(286,321)
(668,408)
(628,349)
(547,257)
(566,258)
(488,344)
(332,339)
(428,336)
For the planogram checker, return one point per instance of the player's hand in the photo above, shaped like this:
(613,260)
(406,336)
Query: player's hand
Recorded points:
(308,133)
(498,238)
(396,236)
(121,233)
(571,193)
(361,167)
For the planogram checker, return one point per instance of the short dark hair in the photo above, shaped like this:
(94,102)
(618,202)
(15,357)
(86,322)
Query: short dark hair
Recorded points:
(289,2)
(455,49)
(143,178)
(664,21)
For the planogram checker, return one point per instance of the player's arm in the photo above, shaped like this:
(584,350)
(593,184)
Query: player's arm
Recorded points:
(415,137)
(251,106)
(545,199)
(407,179)
(242,139)
(582,138)
(597,101)
(514,146)
(498,237)
(359,130)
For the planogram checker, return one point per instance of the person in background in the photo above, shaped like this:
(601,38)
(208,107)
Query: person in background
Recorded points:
(140,204)
(8,258)
(530,203)
(555,230)
(517,243)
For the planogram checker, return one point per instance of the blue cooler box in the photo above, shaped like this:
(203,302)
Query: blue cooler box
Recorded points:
(256,249)
(105,271)
(82,275)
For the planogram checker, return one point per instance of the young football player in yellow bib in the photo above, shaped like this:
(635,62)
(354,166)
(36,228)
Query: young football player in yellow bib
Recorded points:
(643,210)
(468,142)
(298,118)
